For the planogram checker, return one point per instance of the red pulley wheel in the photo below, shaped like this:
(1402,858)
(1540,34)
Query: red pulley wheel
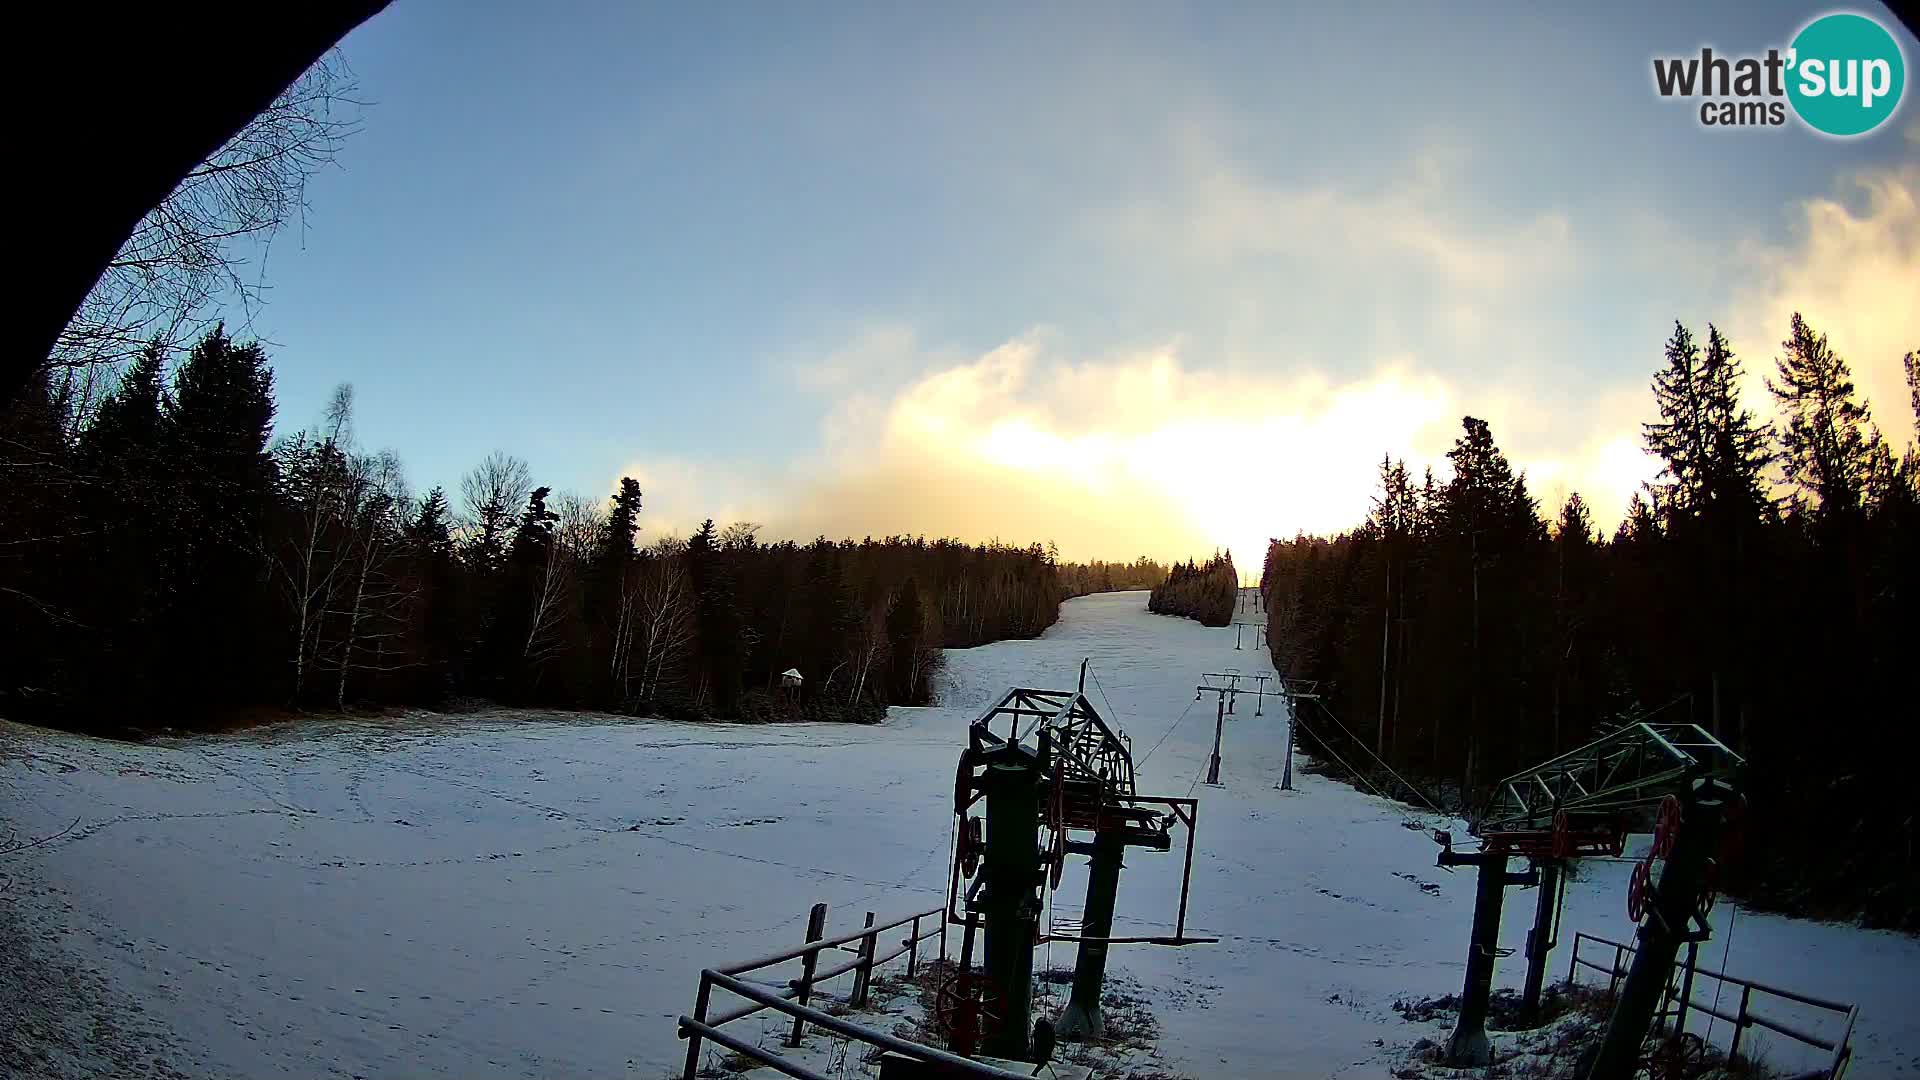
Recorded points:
(963,785)
(1638,888)
(967,1010)
(970,847)
(1666,827)
(1709,889)
(1562,842)
(1733,831)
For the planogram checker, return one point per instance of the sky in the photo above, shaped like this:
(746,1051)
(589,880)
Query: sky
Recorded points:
(1132,278)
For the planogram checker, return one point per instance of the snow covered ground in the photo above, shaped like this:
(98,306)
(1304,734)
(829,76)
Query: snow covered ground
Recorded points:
(515,894)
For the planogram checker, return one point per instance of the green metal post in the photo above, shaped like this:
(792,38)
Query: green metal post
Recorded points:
(1662,932)
(1540,940)
(1012,869)
(1082,1017)
(1469,1045)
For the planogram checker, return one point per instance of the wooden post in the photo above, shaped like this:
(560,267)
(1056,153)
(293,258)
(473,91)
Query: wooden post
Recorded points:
(693,1037)
(913,947)
(816,929)
(863,975)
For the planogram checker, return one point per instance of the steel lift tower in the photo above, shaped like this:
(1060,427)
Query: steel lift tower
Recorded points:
(1584,803)
(1056,779)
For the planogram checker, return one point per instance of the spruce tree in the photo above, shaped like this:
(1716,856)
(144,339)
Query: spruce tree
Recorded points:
(719,651)
(1739,447)
(904,625)
(1680,438)
(217,423)
(1828,443)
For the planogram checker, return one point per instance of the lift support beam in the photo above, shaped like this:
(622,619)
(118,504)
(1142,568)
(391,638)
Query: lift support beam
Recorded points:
(1582,802)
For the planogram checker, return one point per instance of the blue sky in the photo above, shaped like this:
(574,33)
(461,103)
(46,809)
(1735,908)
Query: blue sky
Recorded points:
(1004,271)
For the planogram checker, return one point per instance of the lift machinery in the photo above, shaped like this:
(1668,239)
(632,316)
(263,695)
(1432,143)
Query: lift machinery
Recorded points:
(1584,803)
(1055,780)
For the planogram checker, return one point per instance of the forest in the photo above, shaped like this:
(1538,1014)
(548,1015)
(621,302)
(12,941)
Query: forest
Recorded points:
(1082,579)
(1763,587)
(169,563)
(1205,593)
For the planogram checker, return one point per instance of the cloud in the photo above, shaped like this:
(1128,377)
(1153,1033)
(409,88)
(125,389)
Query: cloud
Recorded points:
(1136,452)
(1175,447)
(874,352)
(1853,270)
(677,494)
(1221,213)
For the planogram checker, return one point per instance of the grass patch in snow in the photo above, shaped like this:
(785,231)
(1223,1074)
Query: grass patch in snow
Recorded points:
(1570,1026)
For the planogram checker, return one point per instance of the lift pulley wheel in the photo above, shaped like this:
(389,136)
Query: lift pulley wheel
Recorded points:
(1056,853)
(1733,831)
(1678,1057)
(1639,888)
(963,784)
(971,845)
(968,1009)
(1666,827)
(1562,840)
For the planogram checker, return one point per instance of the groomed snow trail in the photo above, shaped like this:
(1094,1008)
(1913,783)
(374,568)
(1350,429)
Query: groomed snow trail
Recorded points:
(533,894)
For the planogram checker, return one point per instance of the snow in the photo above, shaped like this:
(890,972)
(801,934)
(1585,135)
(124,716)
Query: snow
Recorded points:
(521,894)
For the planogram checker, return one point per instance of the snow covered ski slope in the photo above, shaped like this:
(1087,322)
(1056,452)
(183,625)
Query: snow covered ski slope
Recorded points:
(513,894)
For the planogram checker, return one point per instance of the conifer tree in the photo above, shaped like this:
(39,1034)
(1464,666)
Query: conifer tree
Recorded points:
(1828,442)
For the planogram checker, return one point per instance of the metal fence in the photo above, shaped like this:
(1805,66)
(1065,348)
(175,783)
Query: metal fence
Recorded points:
(792,1000)
(1679,1000)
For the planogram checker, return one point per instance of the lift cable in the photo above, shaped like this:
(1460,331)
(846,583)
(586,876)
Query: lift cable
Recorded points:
(1169,731)
(1112,712)
(1363,747)
(1405,819)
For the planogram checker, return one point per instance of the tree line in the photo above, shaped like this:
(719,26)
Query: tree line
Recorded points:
(165,561)
(1206,592)
(1082,579)
(1764,587)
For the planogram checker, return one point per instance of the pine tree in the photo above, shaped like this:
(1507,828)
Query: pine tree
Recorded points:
(905,623)
(217,424)
(623,521)
(719,651)
(126,430)
(1739,446)
(1680,439)
(1829,442)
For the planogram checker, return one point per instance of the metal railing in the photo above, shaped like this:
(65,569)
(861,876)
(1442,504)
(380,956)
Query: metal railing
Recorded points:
(791,1000)
(1679,999)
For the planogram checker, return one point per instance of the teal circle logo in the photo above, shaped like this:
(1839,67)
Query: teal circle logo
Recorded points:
(1846,74)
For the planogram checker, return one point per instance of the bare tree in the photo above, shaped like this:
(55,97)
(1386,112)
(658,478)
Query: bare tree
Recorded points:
(582,526)
(576,535)
(493,494)
(377,601)
(869,646)
(194,248)
(739,536)
(315,470)
(663,617)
